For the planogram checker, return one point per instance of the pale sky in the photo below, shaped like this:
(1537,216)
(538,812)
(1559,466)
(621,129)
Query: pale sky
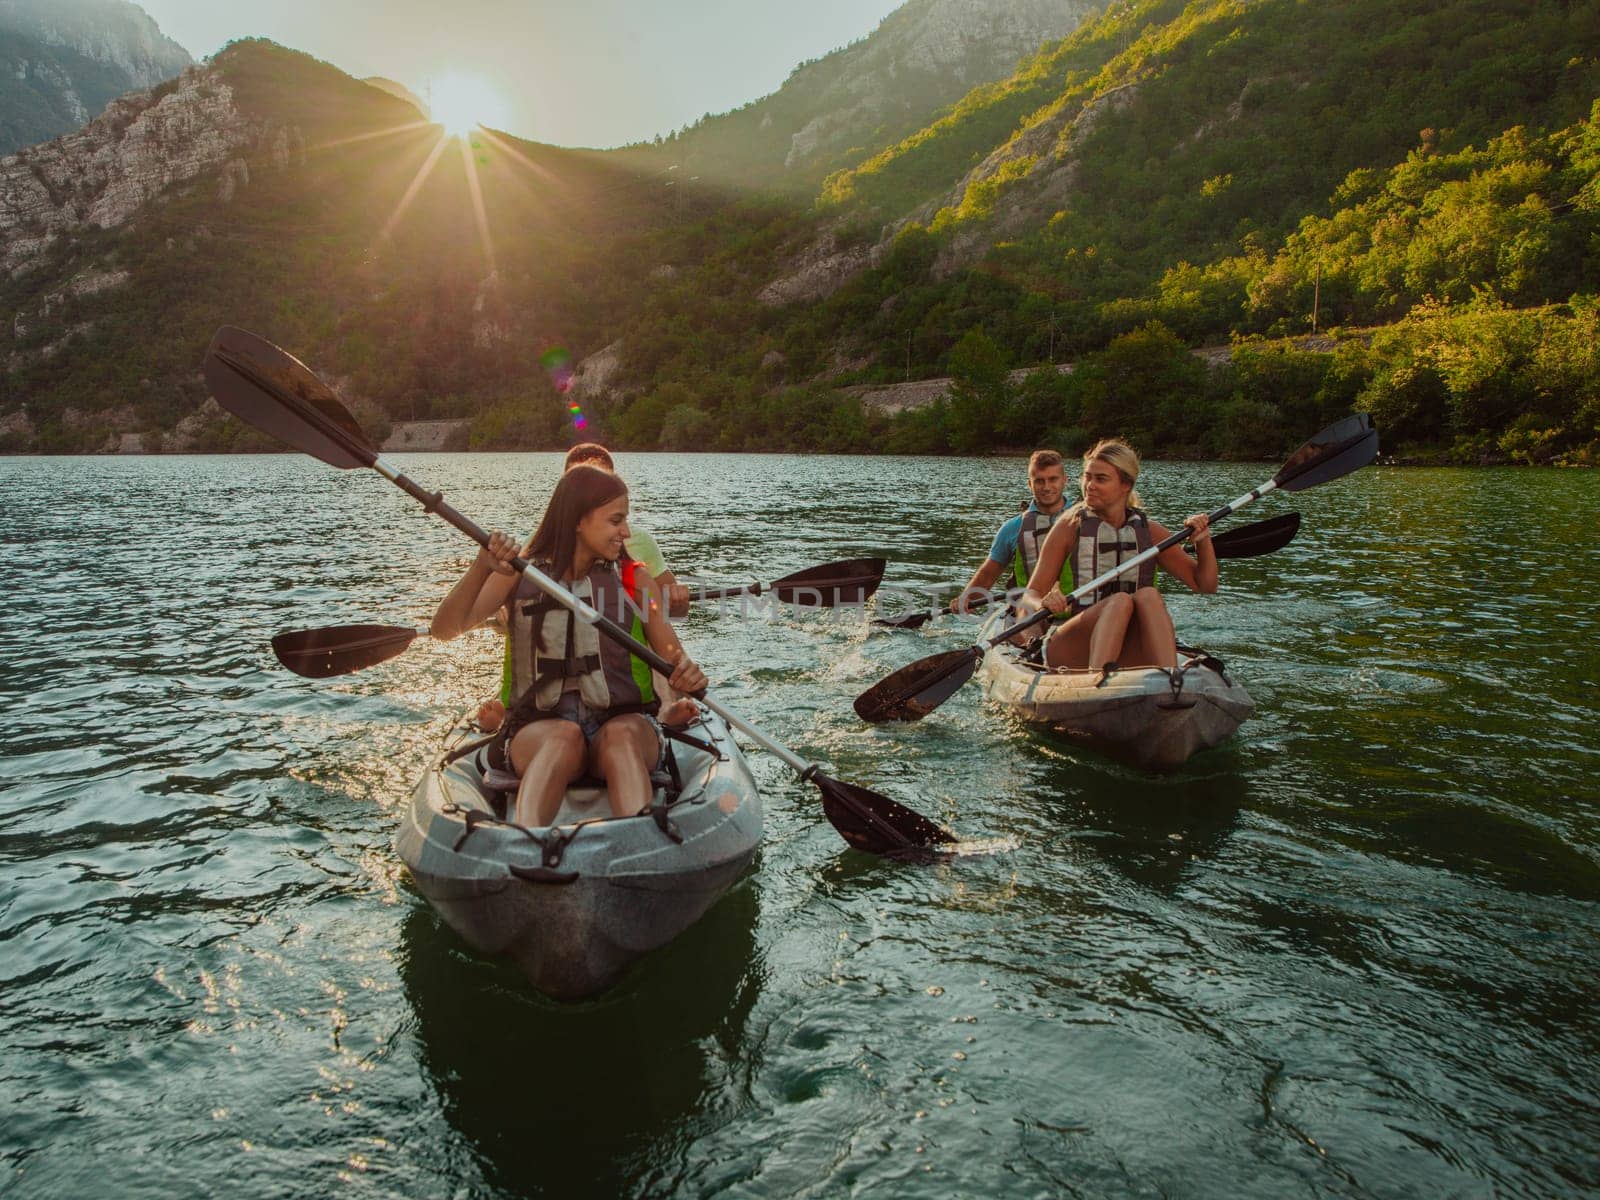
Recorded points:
(570,72)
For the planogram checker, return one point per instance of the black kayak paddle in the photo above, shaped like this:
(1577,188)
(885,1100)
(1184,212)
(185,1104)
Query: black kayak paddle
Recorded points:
(918,688)
(849,581)
(1247,541)
(278,394)
(343,649)
(340,649)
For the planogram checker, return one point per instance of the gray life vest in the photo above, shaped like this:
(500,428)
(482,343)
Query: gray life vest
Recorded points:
(1035,528)
(1101,548)
(609,677)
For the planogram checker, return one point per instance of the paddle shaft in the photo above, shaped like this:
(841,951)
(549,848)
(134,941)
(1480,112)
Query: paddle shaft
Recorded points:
(434,502)
(818,587)
(723,593)
(1244,542)
(1099,581)
(810,590)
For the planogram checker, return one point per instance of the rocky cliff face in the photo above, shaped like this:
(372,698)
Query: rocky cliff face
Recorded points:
(928,48)
(63,61)
(840,108)
(142,144)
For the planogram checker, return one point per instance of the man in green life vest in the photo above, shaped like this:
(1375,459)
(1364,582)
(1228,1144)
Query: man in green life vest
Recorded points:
(1016,545)
(640,546)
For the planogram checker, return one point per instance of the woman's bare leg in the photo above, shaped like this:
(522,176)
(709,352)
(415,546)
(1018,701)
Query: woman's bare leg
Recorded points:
(1092,638)
(1111,630)
(1151,640)
(622,754)
(1069,645)
(548,755)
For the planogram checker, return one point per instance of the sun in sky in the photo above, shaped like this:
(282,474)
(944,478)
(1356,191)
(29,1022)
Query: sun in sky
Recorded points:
(461,102)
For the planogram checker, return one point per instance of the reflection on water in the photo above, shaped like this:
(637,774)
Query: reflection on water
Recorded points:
(587,1099)
(1350,952)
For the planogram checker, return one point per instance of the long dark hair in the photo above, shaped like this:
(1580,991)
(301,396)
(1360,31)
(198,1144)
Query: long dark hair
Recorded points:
(581,490)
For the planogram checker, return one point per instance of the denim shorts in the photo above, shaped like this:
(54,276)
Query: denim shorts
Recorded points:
(569,708)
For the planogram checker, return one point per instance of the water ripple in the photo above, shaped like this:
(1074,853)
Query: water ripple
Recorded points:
(1351,952)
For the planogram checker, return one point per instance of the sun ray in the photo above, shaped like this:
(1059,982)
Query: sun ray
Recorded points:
(415,186)
(479,212)
(544,173)
(365,137)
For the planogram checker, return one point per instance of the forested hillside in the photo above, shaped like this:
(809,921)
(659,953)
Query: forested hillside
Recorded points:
(836,110)
(1414,181)
(1194,174)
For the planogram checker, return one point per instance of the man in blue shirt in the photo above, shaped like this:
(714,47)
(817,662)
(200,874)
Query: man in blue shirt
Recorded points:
(1016,545)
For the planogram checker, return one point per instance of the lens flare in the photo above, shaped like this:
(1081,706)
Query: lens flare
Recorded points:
(558,365)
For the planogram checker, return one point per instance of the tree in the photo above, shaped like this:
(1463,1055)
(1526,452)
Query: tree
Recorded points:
(686,427)
(979,393)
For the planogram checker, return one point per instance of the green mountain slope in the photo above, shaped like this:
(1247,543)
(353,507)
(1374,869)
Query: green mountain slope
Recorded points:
(1420,172)
(844,106)
(1173,163)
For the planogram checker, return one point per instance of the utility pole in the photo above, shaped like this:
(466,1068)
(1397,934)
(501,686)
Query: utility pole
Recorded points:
(1052,335)
(908,358)
(1316,296)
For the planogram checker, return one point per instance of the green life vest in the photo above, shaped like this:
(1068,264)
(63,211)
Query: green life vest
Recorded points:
(547,646)
(1035,527)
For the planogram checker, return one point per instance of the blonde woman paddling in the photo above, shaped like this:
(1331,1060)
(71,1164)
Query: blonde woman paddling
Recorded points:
(1125,622)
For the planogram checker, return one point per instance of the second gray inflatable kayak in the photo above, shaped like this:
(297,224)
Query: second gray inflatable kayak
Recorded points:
(1149,716)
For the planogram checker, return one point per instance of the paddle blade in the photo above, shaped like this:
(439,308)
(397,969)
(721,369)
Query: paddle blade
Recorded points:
(1341,448)
(918,619)
(1261,537)
(340,649)
(848,582)
(277,393)
(918,688)
(910,621)
(874,823)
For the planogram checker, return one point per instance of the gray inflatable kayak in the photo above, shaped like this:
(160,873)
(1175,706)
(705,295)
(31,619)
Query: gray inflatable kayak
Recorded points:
(575,903)
(1149,716)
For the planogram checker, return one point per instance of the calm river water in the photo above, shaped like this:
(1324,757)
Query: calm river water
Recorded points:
(1355,952)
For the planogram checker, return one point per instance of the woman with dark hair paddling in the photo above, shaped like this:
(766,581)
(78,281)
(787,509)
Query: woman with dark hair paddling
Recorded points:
(583,703)
(1125,622)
